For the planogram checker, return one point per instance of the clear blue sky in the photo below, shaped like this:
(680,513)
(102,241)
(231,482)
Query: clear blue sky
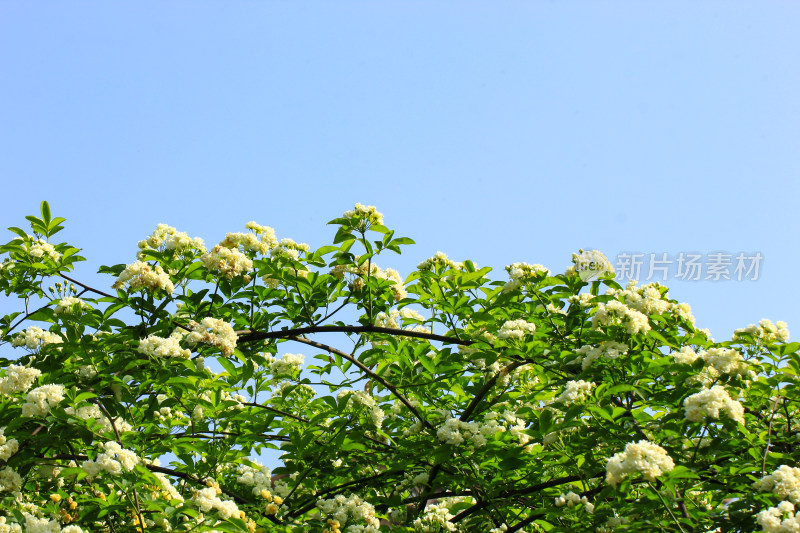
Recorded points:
(497,131)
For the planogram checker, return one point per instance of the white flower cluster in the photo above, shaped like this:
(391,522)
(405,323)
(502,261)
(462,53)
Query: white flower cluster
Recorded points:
(18,379)
(718,361)
(9,527)
(456,432)
(104,425)
(215,332)
(33,337)
(140,275)
(287,365)
(208,499)
(589,264)
(437,517)
(261,241)
(709,402)
(605,350)
(260,478)
(643,457)
(155,346)
(780,519)
(166,237)
(494,422)
(364,399)
(515,329)
(616,313)
(576,391)
(10,481)
(114,459)
(766,332)
(646,299)
(289,248)
(518,273)
(368,214)
(350,509)
(67,304)
(785,482)
(41,399)
(227,261)
(8,447)
(571,499)
(440,260)
(41,248)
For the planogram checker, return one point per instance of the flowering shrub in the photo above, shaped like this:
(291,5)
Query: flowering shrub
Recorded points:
(542,401)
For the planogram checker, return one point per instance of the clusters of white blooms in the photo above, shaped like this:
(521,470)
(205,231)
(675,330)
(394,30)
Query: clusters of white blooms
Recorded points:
(766,332)
(260,478)
(288,364)
(41,248)
(780,519)
(351,509)
(605,350)
(363,399)
(9,527)
(717,361)
(456,432)
(41,399)
(140,275)
(33,337)
(437,517)
(215,332)
(612,524)
(18,379)
(515,329)
(371,269)
(616,313)
(507,420)
(581,300)
(576,391)
(104,425)
(785,482)
(365,214)
(166,237)
(520,272)
(261,242)
(227,261)
(397,320)
(155,346)
(589,263)
(208,499)
(8,447)
(708,403)
(289,248)
(167,490)
(643,457)
(67,304)
(686,356)
(440,260)
(571,499)
(10,481)
(114,459)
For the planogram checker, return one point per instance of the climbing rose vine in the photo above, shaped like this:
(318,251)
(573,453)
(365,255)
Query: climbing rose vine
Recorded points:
(443,400)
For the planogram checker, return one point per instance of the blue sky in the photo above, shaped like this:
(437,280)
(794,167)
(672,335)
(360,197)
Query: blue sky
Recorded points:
(497,131)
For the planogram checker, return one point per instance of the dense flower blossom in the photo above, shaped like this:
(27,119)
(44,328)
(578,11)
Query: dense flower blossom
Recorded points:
(515,329)
(288,364)
(41,248)
(8,447)
(589,264)
(576,391)
(140,275)
(571,499)
(103,424)
(616,313)
(227,261)
(780,519)
(166,237)
(457,432)
(439,260)
(766,332)
(350,510)
(10,481)
(709,402)
(9,527)
(114,459)
(215,332)
(208,499)
(155,346)
(437,516)
(605,350)
(18,379)
(520,272)
(33,338)
(289,248)
(41,399)
(785,482)
(643,457)
(67,304)
(364,215)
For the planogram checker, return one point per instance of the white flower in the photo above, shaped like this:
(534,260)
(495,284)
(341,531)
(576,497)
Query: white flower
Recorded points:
(589,264)
(576,391)
(215,332)
(67,304)
(41,399)
(140,275)
(766,332)
(287,365)
(785,482)
(33,338)
(780,519)
(616,313)
(440,260)
(18,379)
(166,237)
(160,347)
(709,402)
(644,457)
(365,214)
(228,262)
(515,329)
